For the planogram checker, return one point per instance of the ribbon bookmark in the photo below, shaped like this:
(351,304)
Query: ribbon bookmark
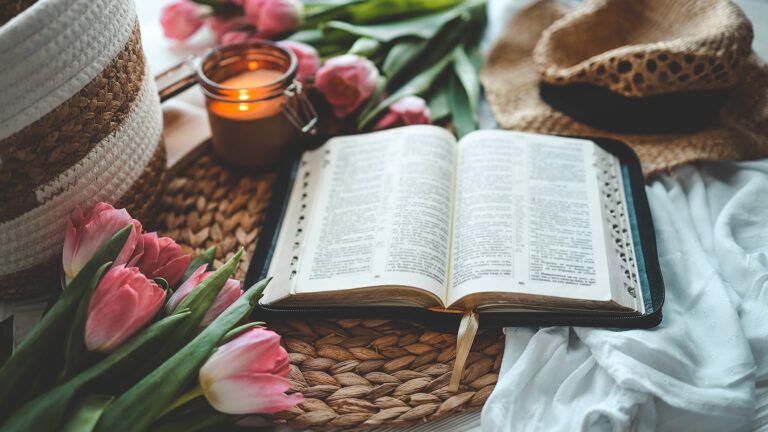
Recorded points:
(467,331)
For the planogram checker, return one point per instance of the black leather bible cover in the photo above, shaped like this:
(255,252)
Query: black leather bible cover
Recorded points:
(643,236)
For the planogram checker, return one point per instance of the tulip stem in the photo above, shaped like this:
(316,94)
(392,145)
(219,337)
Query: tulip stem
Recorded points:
(187,396)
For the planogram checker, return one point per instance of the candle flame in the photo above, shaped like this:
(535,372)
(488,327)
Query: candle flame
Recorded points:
(243,95)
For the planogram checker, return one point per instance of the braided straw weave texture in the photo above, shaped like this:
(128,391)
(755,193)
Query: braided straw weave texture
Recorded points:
(646,47)
(511,79)
(354,374)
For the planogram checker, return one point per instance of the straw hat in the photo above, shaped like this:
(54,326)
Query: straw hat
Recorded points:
(675,79)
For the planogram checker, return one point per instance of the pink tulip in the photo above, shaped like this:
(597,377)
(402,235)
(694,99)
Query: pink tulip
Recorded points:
(347,81)
(230,292)
(88,232)
(222,25)
(123,302)
(163,258)
(233,37)
(273,17)
(180,19)
(248,375)
(308,57)
(409,110)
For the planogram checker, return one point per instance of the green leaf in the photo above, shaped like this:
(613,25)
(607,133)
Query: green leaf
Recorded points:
(461,108)
(376,96)
(325,40)
(74,349)
(423,27)
(310,37)
(365,47)
(162,283)
(418,85)
(202,296)
(202,418)
(45,412)
(388,10)
(205,257)
(198,302)
(467,75)
(319,12)
(439,105)
(402,53)
(140,406)
(6,339)
(37,352)
(87,413)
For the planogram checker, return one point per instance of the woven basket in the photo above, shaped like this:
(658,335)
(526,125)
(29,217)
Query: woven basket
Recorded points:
(80,122)
(354,374)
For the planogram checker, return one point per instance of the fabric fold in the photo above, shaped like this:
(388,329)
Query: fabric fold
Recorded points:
(698,369)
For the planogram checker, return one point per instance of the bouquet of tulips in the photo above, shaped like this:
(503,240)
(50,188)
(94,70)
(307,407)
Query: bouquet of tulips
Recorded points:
(142,335)
(378,64)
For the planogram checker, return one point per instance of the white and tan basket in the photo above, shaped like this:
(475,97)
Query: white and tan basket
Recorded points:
(80,122)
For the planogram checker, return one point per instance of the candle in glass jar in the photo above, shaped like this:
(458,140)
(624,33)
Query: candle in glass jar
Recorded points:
(248,85)
(250,134)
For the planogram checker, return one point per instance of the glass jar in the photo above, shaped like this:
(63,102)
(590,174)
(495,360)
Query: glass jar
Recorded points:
(256,106)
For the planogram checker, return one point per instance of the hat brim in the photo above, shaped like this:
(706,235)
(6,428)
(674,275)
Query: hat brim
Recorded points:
(511,81)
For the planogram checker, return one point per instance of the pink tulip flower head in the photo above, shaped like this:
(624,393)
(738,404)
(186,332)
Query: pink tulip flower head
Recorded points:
(409,110)
(249,375)
(307,56)
(233,37)
(88,232)
(346,82)
(123,302)
(221,25)
(230,292)
(163,258)
(273,17)
(180,19)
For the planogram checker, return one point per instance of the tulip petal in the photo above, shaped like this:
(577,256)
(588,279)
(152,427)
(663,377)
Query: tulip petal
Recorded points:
(252,351)
(163,258)
(174,269)
(151,250)
(69,250)
(185,288)
(116,310)
(229,293)
(87,233)
(250,394)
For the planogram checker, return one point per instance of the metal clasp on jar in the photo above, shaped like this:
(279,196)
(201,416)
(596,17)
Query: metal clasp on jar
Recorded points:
(303,116)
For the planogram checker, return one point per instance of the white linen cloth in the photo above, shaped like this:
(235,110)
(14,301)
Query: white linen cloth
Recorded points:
(698,369)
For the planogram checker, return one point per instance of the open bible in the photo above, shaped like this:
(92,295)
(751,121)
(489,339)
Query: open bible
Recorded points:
(499,222)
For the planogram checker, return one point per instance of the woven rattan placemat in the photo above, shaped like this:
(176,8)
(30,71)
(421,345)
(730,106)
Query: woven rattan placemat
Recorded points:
(354,374)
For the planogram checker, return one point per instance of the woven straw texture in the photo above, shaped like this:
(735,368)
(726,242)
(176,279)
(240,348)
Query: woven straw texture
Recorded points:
(44,277)
(511,81)
(355,374)
(646,47)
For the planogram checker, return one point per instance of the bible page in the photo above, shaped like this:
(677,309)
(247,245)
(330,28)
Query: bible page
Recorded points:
(527,218)
(380,212)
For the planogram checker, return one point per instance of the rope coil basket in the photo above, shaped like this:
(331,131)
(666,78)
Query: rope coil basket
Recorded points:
(80,122)
(354,374)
